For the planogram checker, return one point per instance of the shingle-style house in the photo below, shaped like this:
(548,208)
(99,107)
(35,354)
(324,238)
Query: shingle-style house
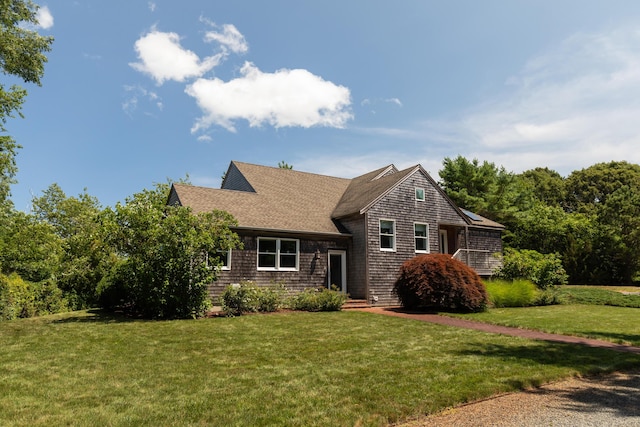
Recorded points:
(309,230)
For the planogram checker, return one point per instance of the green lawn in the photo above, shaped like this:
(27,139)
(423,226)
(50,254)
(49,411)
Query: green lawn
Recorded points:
(616,324)
(299,369)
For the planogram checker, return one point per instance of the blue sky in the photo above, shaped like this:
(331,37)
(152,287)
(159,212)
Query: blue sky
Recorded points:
(136,92)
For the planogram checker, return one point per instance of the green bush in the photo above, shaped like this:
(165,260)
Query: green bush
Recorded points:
(437,281)
(318,299)
(19,298)
(246,297)
(517,293)
(544,270)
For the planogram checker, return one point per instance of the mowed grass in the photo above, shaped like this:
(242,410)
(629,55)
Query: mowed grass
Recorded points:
(615,324)
(297,369)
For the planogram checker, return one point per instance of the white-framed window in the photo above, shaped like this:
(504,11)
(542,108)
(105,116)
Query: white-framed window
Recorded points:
(278,254)
(421,236)
(420,194)
(225,259)
(387,235)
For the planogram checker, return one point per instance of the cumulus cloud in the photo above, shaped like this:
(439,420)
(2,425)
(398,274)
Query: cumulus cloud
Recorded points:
(570,107)
(163,58)
(284,98)
(229,38)
(44,17)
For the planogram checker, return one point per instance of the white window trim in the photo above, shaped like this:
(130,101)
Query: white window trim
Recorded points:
(423,194)
(393,235)
(227,267)
(277,255)
(426,238)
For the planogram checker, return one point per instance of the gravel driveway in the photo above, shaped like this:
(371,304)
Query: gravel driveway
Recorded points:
(607,400)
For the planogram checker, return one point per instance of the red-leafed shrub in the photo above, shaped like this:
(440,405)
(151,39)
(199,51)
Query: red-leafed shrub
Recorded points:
(437,281)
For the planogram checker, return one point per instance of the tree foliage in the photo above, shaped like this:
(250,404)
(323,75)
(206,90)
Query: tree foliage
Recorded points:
(591,218)
(483,187)
(22,55)
(168,255)
(85,257)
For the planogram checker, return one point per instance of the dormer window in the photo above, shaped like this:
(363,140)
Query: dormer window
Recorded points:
(420,194)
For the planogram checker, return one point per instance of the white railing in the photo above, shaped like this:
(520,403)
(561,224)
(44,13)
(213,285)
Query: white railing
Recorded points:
(482,261)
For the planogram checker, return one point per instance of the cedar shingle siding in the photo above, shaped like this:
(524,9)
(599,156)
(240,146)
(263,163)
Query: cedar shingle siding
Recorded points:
(327,213)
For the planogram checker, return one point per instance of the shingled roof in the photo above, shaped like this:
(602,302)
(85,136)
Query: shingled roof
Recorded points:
(282,199)
(268,198)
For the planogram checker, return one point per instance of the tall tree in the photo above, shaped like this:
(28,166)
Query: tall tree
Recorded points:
(545,185)
(85,257)
(22,55)
(480,187)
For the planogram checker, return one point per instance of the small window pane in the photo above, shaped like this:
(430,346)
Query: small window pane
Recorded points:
(386,242)
(386,227)
(267,245)
(288,261)
(267,260)
(421,244)
(419,193)
(288,246)
(421,230)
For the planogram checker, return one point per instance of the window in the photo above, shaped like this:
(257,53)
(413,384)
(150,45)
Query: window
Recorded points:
(420,194)
(278,254)
(222,258)
(225,259)
(387,235)
(421,234)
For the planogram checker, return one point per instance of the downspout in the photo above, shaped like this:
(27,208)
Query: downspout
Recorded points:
(466,242)
(366,257)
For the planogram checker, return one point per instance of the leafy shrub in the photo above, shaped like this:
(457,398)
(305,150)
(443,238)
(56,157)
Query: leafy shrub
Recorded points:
(249,298)
(544,270)
(440,282)
(318,299)
(19,298)
(517,293)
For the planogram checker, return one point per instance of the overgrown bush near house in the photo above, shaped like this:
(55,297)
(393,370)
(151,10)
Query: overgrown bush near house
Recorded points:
(318,299)
(20,298)
(246,297)
(437,281)
(516,293)
(544,270)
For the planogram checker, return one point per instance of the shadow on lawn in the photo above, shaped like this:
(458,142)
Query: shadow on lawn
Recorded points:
(621,394)
(98,316)
(618,393)
(632,339)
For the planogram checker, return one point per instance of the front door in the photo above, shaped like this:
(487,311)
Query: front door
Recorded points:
(444,241)
(337,274)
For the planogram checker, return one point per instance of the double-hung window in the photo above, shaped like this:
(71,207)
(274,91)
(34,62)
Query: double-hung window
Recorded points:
(387,235)
(420,194)
(421,235)
(278,254)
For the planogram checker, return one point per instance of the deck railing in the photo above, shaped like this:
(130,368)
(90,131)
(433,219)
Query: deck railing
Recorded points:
(483,262)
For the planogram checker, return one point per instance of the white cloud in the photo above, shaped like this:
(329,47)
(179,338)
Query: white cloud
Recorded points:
(163,58)
(230,38)
(135,95)
(570,107)
(44,17)
(394,101)
(152,6)
(281,99)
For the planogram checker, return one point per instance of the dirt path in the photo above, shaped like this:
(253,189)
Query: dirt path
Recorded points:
(496,329)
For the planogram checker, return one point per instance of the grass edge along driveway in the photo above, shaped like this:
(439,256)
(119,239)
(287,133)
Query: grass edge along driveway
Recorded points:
(297,369)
